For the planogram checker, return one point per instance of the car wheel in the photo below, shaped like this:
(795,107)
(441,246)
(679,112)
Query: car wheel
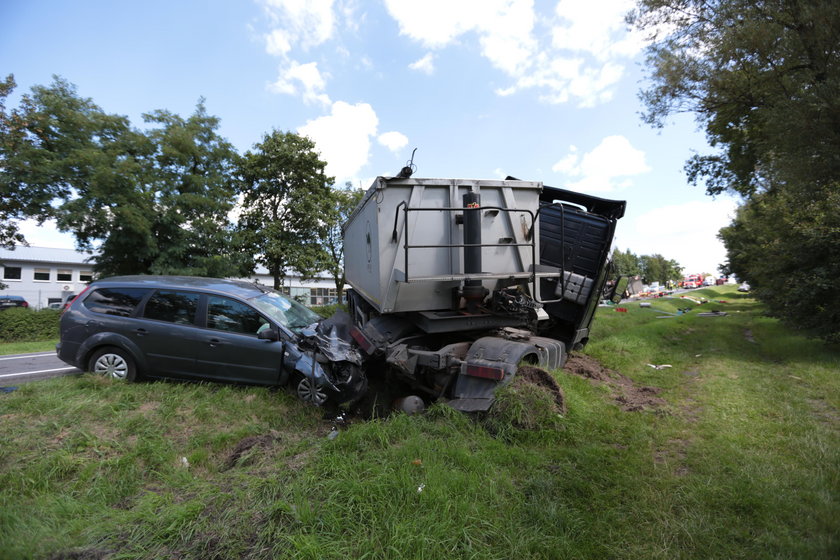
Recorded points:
(113,362)
(310,391)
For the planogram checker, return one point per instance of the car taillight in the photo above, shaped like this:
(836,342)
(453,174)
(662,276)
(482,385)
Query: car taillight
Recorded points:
(69,303)
(25,304)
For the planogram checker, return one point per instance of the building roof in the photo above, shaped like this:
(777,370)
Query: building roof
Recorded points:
(45,255)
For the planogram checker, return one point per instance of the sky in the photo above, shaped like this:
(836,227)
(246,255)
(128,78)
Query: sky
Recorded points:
(539,90)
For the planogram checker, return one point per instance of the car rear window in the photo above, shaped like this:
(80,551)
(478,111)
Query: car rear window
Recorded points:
(115,301)
(172,306)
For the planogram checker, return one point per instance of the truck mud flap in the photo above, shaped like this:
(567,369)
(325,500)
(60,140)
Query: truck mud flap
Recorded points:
(471,405)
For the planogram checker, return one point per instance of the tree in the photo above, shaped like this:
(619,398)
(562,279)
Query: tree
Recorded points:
(656,268)
(153,201)
(286,205)
(762,78)
(626,263)
(345,201)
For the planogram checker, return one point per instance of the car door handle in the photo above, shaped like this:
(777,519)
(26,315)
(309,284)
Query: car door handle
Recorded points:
(214,342)
(141,332)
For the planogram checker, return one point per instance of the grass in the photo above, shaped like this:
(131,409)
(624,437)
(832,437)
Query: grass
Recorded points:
(7,348)
(742,462)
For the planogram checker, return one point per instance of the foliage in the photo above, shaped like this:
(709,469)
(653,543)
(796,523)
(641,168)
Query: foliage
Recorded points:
(626,263)
(23,324)
(345,201)
(797,273)
(653,268)
(286,204)
(762,78)
(147,201)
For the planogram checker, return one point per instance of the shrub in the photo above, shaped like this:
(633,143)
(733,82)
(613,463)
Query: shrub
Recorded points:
(20,324)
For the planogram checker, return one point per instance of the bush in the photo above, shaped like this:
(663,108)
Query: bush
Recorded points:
(20,324)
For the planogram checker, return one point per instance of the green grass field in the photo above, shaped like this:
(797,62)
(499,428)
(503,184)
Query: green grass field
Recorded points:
(736,455)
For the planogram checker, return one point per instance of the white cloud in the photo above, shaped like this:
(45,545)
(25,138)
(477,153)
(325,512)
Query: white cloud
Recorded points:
(343,137)
(503,26)
(606,168)
(577,53)
(299,23)
(686,233)
(425,64)
(394,141)
(303,79)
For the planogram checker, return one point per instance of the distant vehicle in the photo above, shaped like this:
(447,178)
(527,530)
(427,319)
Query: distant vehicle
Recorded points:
(709,281)
(692,281)
(744,287)
(7,302)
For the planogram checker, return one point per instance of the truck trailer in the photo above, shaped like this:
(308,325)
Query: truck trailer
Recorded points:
(453,283)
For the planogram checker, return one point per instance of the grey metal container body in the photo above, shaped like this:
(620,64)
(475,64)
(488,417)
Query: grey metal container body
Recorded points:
(377,232)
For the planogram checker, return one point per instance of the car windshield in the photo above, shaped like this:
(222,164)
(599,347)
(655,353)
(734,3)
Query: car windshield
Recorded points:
(287,312)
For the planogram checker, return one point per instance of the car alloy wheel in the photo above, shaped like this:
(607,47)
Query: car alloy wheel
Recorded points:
(310,391)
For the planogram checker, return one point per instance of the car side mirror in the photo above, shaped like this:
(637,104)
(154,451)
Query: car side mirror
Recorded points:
(619,287)
(269,334)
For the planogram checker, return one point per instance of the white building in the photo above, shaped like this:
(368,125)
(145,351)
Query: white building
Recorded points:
(43,276)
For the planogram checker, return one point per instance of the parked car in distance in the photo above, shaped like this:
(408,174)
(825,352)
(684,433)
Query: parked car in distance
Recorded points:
(744,287)
(8,301)
(207,329)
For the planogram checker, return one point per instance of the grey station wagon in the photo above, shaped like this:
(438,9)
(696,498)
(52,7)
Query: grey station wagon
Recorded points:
(209,329)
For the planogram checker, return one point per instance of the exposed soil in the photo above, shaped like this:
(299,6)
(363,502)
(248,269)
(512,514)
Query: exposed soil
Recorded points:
(629,396)
(541,378)
(244,447)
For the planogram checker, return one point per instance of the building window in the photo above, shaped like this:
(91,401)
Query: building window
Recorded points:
(64,276)
(85,277)
(11,273)
(42,274)
(322,296)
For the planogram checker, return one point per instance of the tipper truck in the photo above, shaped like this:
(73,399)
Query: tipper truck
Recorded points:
(454,283)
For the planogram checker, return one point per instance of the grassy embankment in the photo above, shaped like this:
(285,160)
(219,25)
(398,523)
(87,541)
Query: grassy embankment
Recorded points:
(742,460)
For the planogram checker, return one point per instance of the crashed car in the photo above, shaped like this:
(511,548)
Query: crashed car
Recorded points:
(130,327)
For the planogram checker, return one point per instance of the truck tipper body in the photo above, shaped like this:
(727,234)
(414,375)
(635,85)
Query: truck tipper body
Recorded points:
(455,282)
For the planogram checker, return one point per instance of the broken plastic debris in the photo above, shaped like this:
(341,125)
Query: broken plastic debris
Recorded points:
(185,463)
(420,488)
(333,434)
(662,366)
(621,309)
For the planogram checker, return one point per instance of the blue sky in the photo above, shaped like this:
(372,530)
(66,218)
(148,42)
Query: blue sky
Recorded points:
(543,91)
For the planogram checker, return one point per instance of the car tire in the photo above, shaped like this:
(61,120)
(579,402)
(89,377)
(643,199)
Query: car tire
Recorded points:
(307,391)
(115,363)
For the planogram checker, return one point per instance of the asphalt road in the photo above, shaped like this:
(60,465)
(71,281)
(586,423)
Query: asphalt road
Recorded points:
(23,368)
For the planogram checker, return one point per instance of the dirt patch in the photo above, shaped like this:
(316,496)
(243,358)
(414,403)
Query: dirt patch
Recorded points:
(674,455)
(629,396)
(541,378)
(586,366)
(246,447)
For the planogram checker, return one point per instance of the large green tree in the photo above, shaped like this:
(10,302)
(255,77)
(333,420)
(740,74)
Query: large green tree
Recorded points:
(151,201)
(287,202)
(763,79)
(344,202)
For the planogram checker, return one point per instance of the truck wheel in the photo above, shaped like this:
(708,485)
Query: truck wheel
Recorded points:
(309,391)
(113,362)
